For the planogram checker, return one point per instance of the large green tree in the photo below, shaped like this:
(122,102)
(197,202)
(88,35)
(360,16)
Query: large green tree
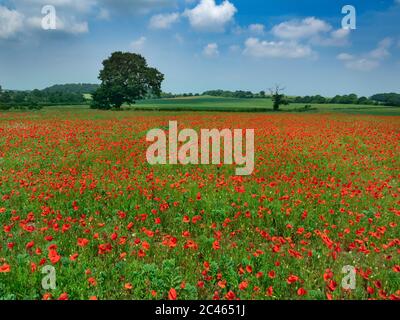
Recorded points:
(125,78)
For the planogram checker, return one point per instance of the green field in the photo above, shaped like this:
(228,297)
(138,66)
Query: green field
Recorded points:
(254,105)
(206,103)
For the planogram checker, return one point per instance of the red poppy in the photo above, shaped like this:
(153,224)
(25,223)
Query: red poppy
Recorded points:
(5,268)
(172,295)
(270,291)
(243,285)
(301,292)
(128,286)
(292,279)
(63,296)
(230,295)
(82,242)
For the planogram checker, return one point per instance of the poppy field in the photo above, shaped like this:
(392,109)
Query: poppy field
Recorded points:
(77,194)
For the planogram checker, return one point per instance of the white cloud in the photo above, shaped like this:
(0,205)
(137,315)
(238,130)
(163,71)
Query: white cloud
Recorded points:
(281,49)
(208,16)
(257,28)
(11,22)
(211,50)
(345,57)
(300,29)
(71,16)
(336,38)
(370,60)
(77,6)
(164,21)
(316,31)
(76,27)
(382,51)
(70,26)
(138,44)
(362,64)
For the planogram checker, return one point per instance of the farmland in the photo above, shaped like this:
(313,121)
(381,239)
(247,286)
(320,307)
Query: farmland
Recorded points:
(77,194)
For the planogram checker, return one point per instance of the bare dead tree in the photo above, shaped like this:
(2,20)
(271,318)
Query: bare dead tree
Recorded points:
(277,96)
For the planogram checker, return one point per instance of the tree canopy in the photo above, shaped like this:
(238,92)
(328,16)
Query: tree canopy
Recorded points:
(125,78)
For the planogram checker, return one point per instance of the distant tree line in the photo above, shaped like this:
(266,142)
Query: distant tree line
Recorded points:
(386,99)
(338,99)
(74,94)
(36,99)
(81,88)
(389,99)
(234,94)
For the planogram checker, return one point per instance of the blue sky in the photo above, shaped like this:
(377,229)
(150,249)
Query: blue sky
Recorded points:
(207,44)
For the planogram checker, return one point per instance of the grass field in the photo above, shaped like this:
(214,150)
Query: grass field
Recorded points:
(76,193)
(254,105)
(217,104)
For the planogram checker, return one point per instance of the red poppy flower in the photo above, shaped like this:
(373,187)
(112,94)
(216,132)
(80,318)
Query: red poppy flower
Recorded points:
(301,292)
(63,296)
(243,285)
(172,295)
(292,279)
(82,242)
(230,295)
(5,268)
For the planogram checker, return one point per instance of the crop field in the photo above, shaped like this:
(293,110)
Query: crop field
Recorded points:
(77,194)
(205,103)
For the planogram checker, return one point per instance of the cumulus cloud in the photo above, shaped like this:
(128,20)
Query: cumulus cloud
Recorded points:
(138,44)
(11,22)
(362,64)
(73,16)
(27,17)
(78,6)
(382,51)
(300,29)
(164,21)
(345,57)
(70,26)
(336,38)
(209,16)
(369,61)
(270,49)
(211,50)
(313,30)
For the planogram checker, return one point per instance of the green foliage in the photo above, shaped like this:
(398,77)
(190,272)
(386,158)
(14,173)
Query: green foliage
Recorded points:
(35,99)
(80,88)
(277,97)
(125,78)
(234,94)
(388,99)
